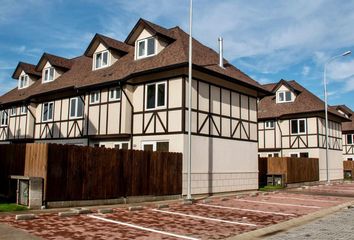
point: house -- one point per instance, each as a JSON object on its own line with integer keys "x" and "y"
{"x": 132, "y": 94}
{"x": 347, "y": 131}
{"x": 291, "y": 123}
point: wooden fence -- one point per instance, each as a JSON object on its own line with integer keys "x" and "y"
{"x": 295, "y": 170}
{"x": 349, "y": 166}
{"x": 86, "y": 173}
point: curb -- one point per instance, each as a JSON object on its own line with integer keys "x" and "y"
{"x": 270, "y": 230}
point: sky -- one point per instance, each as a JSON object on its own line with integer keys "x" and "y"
{"x": 267, "y": 39}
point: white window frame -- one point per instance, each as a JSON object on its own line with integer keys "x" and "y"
{"x": 156, "y": 95}
{"x": 13, "y": 111}
{"x": 267, "y": 124}
{"x": 284, "y": 92}
{"x": 24, "y": 79}
{"x": 77, "y": 99}
{"x": 23, "y": 109}
{"x": 145, "y": 40}
{"x": 153, "y": 143}
{"x": 52, "y": 117}
{"x": 116, "y": 90}
{"x": 4, "y": 121}
{"x": 352, "y": 136}
{"x": 96, "y": 100}
{"x": 298, "y": 126}
{"x": 45, "y": 80}
{"x": 95, "y": 60}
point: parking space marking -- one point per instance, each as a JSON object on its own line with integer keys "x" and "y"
{"x": 304, "y": 199}
{"x": 336, "y": 189}
{"x": 204, "y": 218}
{"x": 142, "y": 228}
{"x": 280, "y": 204}
{"x": 246, "y": 209}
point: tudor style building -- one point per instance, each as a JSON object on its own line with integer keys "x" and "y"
{"x": 348, "y": 132}
{"x": 291, "y": 123}
{"x": 132, "y": 94}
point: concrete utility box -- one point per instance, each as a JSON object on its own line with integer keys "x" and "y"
{"x": 29, "y": 191}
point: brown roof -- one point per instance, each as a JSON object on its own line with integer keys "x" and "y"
{"x": 81, "y": 75}
{"x": 110, "y": 43}
{"x": 28, "y": 68}
{"x": 305, "y": 102}
{"x": 55, "y": 61}
{"x": 347, "y": 126}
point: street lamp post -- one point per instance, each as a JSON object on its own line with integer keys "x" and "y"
{"x": 326, "y": 104}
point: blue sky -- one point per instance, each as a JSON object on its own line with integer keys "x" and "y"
{"x": 267, "y": 39}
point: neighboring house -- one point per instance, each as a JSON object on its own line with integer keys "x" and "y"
{"x": 133, "y": 94}
{"x": 348, "y": 132}
{"x": 291, "y": 123}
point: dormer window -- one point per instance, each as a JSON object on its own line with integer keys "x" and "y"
{"x": 23, "y": 81}
{"x": 146, "y": 47}
{"x": 3, "y": 118}
{"x": 284, "y": 96}
{"x": 269, "y": 124}
{"x": 48, "y": 74}
{"x": 101, "y": 59}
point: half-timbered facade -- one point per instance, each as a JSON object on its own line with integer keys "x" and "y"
{"x": 347, "y": 131}
{"x": 292, "y": 124}
{"x": 133, "y": 94}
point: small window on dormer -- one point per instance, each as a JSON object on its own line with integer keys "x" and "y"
{"x": 23, "y": 82}
{"x": 284, "y": 96}
{"x": 101, "y": 59}
{"x": 48, "y": 74}
{"x": 146, "y": 47}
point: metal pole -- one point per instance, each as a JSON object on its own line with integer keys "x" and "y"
{"x": 326, "y": 118}
{"x": 189, "y": 159}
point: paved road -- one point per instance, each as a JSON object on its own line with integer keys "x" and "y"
{"x": 336, "y": 226}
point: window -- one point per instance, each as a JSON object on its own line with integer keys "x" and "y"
{"x": 276, "y": 154}
{"x": 270, "y": 154}
{"x": 3, "y": 118}
{"x": 23, "y": 82}
{"x": 13, "y": 111}
{"x": 298, "y": 126}
{"x": 95, "y": 97}
{"x": 48, "y": 74}
{"x": 146, "y": 47}
{"x": 23, "y": 109}
{"x": 162, "y": 146}
{"x": 284, "y": 96}
{"x": 101, "y": 59}
{"x": 114, "y": 94}
{"x": 304, "y": 154}
{"x": 294, "y": 155}
{"x": 350, "y": 138}
{"x": 47, "y": 113}
{"x": 350, "y": 159}
{"x": 269, "y": 124}
{"x": 121, "y": 146}
{"x": 76, "y": 107}
{"x": 156, "y": 95}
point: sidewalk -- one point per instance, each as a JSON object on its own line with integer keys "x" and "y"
{"x": 10, "y": 233}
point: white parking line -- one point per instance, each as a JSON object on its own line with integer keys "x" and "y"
{"x": 246, "y": 209}
{"x": 204, "y": 218}
{"x": 336, "y": 189}
{"x": 142, "y": 228}
{"x": 274, "y": 203}
{"x": 303, "y": 199}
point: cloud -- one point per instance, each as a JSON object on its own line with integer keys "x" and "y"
{"x": 305, "y": 71}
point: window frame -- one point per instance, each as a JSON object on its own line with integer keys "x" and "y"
{"x": 24, "y": 79}
{"x": 294, "y": 153}
{"x": 298, "y": 126}
{"x": 95, "y": 60}
{"x": 115, "y": 98}
{"x": 76, "y": 107}
{"x": 145, "y": 55}
{"x": 284, "y": 92}
{"x": 2, "y": 122}
{"x": 44, "y": 77}
{"x": 52, "y": 117}
{"x": 154, "y": 144}
{"x": 267, "y": 126}
{"x": 13, "y": 111}
{"x": 21, "y": 110}
{"x": 352, "y": 138}
{"x": 96, "y": 101}
{"x": 156, "y": 95}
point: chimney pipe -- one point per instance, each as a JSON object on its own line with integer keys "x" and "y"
{"x": 221, "y": 52}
